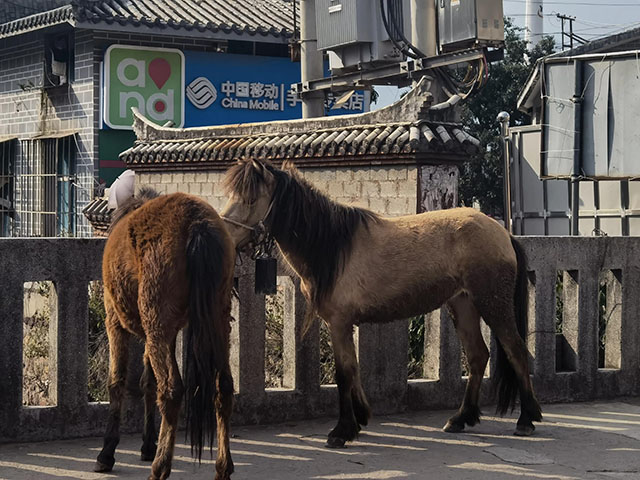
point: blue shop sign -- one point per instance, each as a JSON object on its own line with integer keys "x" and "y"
{"x": 226, "y": 88}
{"x": 202, "y": 88}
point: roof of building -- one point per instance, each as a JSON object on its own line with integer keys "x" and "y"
{"x": 264, "y": 18}
{"x": 98, "y": 213}
{"x": 530, "y": 95}
{"x": 395, "y": 134}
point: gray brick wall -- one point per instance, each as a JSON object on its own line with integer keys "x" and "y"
{"x": 389, "y": 191}
{"x": 27, "y": 110}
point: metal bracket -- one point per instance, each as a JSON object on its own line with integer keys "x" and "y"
{"x": 400, "y": 74}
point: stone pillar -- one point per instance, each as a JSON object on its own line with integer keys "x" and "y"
{"x": 301, "y": 355}
{"x": 11, "y": 305}
{"x": 247, "y": 335}
{"x": 382, "y": 351}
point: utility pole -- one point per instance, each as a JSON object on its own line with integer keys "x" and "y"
{"x": 503, "y": 119}
{"x": 311, "y": 67}
{"x": 572, "y": 36}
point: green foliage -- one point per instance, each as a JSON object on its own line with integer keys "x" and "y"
{"x": 416, "y": 347}
{"x": 327, "y": 361}
{"x": 559, "y": 301}
{"x": 36, "y": 372}
{"x": 98, "y": 358}
{"x": 273, "y": 348}
{"x": 481, "y": 178}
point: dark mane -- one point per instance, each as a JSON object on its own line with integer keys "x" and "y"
{"x": 144, "y": 195}
{"x": 304, "y": 222}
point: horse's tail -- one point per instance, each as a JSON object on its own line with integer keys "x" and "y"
{"x": 205, "y": 346}
{"x": 506, "y": 380}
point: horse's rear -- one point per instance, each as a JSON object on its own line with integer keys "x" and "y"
{"x": 168, "y": 263}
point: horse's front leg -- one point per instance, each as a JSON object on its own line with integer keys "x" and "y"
{"x": 346, "y": 375}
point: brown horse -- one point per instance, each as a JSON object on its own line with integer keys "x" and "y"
{"x": 357, "y": 267}
{"x": 169, "y": 263}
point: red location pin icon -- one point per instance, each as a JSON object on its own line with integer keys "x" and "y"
{"x": 159, "y": 71}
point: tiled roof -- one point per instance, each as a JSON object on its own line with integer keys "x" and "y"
{"x": 14, "y": 9}
{"x": 358, "y": 143}
{"x": 262, "y": 17}
{"x": 98, "y": 213}
{"x": 36, "y": 21}
{"x": 266, "y": 18}
{"x": 393, "y": 134}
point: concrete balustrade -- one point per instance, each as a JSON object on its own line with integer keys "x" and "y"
{"x": 585, "y": 264}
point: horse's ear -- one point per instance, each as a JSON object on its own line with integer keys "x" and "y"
{"x": 288, "y": 165}
{"x": 257, "y": 165}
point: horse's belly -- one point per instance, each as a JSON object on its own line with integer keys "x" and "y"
{"x": 409, "y": 302}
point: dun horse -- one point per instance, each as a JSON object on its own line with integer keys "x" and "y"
{"x": 168, "y": 263}
{"x": 356, "y": 267}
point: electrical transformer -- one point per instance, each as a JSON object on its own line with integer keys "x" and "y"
{"x": 361, "y": 34}
{"x": 469, "y": 23}
{"x": 354, "y": 32}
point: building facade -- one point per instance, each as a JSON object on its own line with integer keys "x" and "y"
{"x": 393, "y": 161}
{"x": 575, "y": 169}
{"x": 59, "y": 74}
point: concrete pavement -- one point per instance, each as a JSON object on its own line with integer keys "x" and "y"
{"x": 576, "y": 441}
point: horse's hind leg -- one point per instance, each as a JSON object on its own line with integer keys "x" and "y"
{"x": 346, "y": 376}
{"x": 170, "y": 390}
{"x": 224, "y": 407}
{"x": 149, "y": 434}
{"x": 467, "y": 321}
{"x": 500, "y": 316}
{"x": 118, "y": 355}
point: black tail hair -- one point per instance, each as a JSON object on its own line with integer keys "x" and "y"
{"x": 506, "y": 380}
{"x": 204, "y": 348}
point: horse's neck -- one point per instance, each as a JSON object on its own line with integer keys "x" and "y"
{"x": 294, "y": 260}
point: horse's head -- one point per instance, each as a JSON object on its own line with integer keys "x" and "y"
{"x": 250, "y": 185}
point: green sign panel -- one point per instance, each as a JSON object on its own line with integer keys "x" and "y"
{"x": 150, "y": 79}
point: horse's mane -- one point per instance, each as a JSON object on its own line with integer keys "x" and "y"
{"x": 144, "y": 195}
{"x": 304, "y": 221}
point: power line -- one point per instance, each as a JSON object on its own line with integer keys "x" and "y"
{"x": 565, "y": 4}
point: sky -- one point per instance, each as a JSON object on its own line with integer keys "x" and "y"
{"x": 593, "y": 19}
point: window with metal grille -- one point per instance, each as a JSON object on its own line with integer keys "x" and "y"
{"x": 46, "y": 178}
{"x": 7, "y": 186}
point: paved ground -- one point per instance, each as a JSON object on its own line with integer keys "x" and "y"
{"x": 576, "y": 441}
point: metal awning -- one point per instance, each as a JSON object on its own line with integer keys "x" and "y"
{"x": 60, "y": 134}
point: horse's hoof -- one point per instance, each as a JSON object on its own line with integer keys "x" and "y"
{"x": 102, "y": 467}
{"x": 453, "y": 427}
{"x": 335, "y": 442}
{"x": 148, "y": 453}
{"x": 524, "y": 430}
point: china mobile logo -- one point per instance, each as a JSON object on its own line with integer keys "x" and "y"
{"x": 149, "y": 79}
{"x": 201, "y": 93}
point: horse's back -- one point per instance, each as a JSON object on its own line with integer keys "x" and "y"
{"x": 457, "y": 231}
{"x": 149, "y": 245}
{"x": 422, "y": 260}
